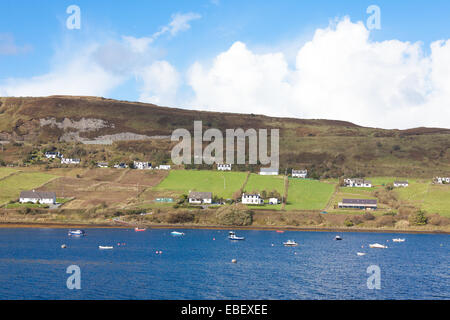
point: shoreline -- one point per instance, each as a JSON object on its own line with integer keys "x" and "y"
{"x": 51, "y": 225}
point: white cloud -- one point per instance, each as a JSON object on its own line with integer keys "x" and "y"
{"x": 339, "y": 74}
{"x": 160, "y": 83}
{"x": 180, "y": 22}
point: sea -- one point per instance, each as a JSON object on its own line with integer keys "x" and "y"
{"x": 205, "y": 265}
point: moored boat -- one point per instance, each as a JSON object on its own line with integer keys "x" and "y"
{"x": 290, "y": 243}
{"x": 105, "y": 247}
{"x": 377, "y": 245}
{"x": 139, "y": 229}
{"x": 338, "y": 238}
{"x": 232, "y": 236}
{"x": 77, "y": 233}
{"x": 176, "y": 233}
{"x": 398, "y": 240}
{"x": 361, "y": 253}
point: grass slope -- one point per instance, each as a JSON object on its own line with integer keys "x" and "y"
{"x": 308, "y": 194}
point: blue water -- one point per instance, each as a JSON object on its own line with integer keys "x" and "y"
{"x": 33, "y": 265}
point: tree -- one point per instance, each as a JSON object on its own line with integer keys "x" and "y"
{"x": 419, "y": 218}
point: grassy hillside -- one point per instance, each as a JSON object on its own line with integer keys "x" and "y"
{"x": 308, "y": 194}
{"x": 327, "y": 148}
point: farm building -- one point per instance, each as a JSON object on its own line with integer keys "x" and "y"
{"x": 442, "y": 180}
{"x": 38, "y": 197}
{"x": 70, "y": 161}
{"x": 268, "y": 172}
{"x": 274, "y": 201}
{"x": 401, "y": 183}
{"x": 121, "y": 165}
{"x": 252, "y": 199}
{"x": 357, "y": 182}
{"x": 200, "y": 197}
{"x": 163, "y": 167}
{"x": 365, "y": 204}
{"x": 142, "y": 165}
{"x": 53, "y": 155}
{"x": 224, "y": 167}
{"x": 299, "y": 173}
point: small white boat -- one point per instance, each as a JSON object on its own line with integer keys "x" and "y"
{"x": 338, "y": 238}
{"x": 233, "y": 236}
{"x": 105, "y": 247}
{"x": 176, "y": 233}
{"x": 290, "y": 243}
{"x": 361, "y": 253}
{"x": 398, "y": 240}
{"x": 377, "y": 245}
{"x": 77, "y": 233}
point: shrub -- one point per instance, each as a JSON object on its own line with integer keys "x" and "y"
{"x": 368, "y": 216}
{"x": 348, "y": 223}
{"x": 419, "y": 218}
{"x": 234, "y": 215}
{"x": 181, "y": 217}
{"x": 386, "y": 221}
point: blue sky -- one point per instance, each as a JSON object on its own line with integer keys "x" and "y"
{"x": 182, "y": 67}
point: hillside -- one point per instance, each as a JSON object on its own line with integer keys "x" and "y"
{"x": 327, "y": 148}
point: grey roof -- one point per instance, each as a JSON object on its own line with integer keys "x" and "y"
{"x": 200, "y": 195}
{"x": 37, "y": 194}
{"x": 268, "y": 170}
{"x": 360, "y": 201}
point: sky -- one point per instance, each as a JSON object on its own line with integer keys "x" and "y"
{"x": 375, "y": 63}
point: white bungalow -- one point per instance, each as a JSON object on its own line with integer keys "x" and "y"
{"x": 224, "y": 167}
{"x": 41, "y": 197}
{"x": 299, "y": 173}
{"x": 363, "y": 204}
{"x": 163, "y": 167}
{"x": 401, "y": 184}
{"x": 252, "y": 199}
{"x": 442, "y": 180}
{"x": 102, "y": 164}
{"x": 268, "y": 172}
{"x": 200, "y": 197}
{"x": 142, "y": 165}
{"x": 357, "y": 182}
{"x": 70, "y": 161}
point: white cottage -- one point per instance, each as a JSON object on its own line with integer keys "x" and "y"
{"x": 442, "y": 180}
{"x": 401, "y": 184}
{"x": 274, "y": 201}
{"x": 252, "y": 199}
{"x": 41, "y": 197}
{"x": 142, "y": 165}
{"x": 70, "y": 161}
{"x": 200, "y": 197}
{"x": 357, "y": 182}
{"x": 224, "y": 167}
{"x": 299, "y": 173}
{"x": 163, "y": 167}
{"x": 53, "y": 155}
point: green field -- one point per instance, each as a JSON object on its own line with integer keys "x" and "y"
{"x": 437, "y": 200}
{"x": 10, "y": 187}
{"x": 308, "y": 194}
{"x": 4, "y": 172}
{"x": 258, "y": 183}
{"x": 222, "y": 184}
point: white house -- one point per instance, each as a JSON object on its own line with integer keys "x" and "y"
{"x": 121, "y": 165}
{"x": 102, "y": 164}
{"x": 252, "y": 199}
{"x": 142, "y": 165}
{"x": 299, "y": 173}
{"x": 357, "y": 182}
{"x": 70, "y": 161}
{"x": 200, "y": 197}
{"x": 442, "y": 180}
{"x": 401, "y": 183}
{"x": 224, "y": 167}
{"x": 268, "y": 172}
{"x": 41, "y": 197}
{"x": 274, "y": 201}
{"x": 163, "y": 167}
{"x": 53, "y": 155}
